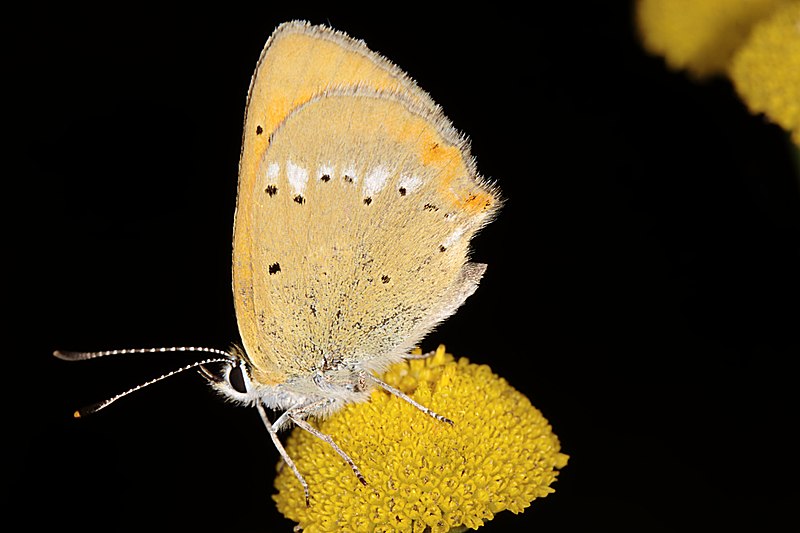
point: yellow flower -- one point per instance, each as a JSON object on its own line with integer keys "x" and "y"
{"x": 766, "y": 70}
{"x": 699, "y": 36}
{"x": 422, "y": 473}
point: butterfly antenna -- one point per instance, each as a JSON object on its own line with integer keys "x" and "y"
{"x": 224, "y": 357}
{"x": 85, "y": 356}
{"x": 80, "y": 413}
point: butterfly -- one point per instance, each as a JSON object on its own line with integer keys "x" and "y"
{"x": 356, "y": 204}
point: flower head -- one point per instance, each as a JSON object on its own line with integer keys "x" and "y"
{"x": 699, "y": 36}
{"x": 766, "y": 70}
{"x": 422, "y": 473}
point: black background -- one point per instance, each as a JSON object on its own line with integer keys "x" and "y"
{"x": 642, "y": 288}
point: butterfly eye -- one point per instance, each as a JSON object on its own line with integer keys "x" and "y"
{"x": 237, "y": 380}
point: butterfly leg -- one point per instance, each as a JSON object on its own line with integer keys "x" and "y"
{"x": 406, "y": 397}
{"x": 298, "y": 414}
{"x": 275, "y": 440}
{"x": 303, "y": 411}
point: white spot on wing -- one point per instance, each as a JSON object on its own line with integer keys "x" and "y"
{"x": 298, "y": 176}
{"x": 350, "y": 172}
{"x": 375, "y": 179}
{"x": 453, "y": 237}
{"x": 272, "y": 171}
{"x": 410, "y": 182}
{"x": 325, "y": 170}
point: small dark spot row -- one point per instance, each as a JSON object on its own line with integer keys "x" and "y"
{"x": 272, "y": 190}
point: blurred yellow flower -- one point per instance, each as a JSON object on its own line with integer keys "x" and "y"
{"x": 699, "y": 36}
{"x": 423, "y": 474}
{"x": 766, "y": 70}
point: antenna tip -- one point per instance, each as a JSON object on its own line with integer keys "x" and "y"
{"x": 66, "y": 356}
{"x": 76, "y": 414}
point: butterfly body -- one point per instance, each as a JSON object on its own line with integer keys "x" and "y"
{"x": 356, "y": 204}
